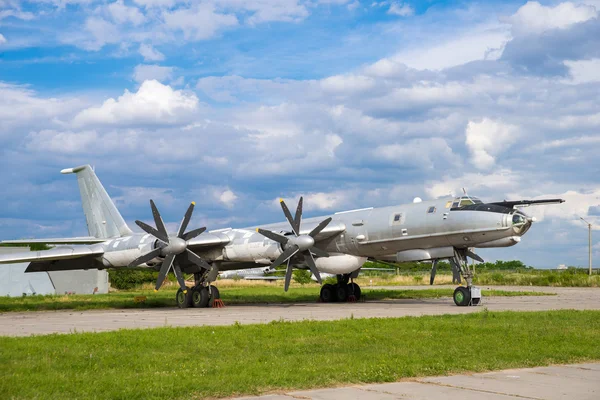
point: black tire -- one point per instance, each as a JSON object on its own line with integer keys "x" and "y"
{"x": 341, "y": 292}
{"x": 462, "y": 296}
{"x": 184, "y": 300}
{"x": 327, "y": 293}
{"x": 214, "y": 294}
{"x": 200, "y": 297}
{"x": 354, "y": 289}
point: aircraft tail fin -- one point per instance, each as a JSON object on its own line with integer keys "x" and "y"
{"x": 102, "y": 217}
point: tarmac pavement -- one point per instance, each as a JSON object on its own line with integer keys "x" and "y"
{"x": 576, "y": 381}
{"x": 68, "y": 321}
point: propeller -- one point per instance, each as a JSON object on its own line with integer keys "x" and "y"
{"x": 297, "y": 245}
{"x": 172, "y": 248}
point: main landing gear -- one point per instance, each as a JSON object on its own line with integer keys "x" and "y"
{"x": 469, "y": 295}
{"x": 202, "y": 295}
{"x": 345, "y": 290}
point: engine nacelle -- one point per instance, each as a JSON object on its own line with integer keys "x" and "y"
{"x": 339, "y": 264}
{"x": 252, "y": 247}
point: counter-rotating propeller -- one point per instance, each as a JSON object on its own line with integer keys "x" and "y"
{"x": 298, "y": 244}
{"x": 172, "y": 248}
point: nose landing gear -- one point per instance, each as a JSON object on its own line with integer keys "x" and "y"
{"x": 469, "y": 295}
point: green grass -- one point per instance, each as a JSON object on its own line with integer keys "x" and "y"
{"x": 200, "y": 362}
{"x": 244, "y": 295}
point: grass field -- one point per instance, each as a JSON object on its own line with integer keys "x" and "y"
{"x": 229, "y": 293}
{"x": 201, "y": 362}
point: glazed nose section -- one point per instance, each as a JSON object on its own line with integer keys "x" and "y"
{"x": 521, "y": 222}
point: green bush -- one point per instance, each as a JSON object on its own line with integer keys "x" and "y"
{"x": 302, "y": 276}
{"x": 130, "y": 278}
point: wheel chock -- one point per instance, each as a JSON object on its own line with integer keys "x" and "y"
{"x": 218, "y": 303}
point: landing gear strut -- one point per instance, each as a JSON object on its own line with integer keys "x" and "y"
{"x": 469, "y": 295}
{"x": 345, "y": 290}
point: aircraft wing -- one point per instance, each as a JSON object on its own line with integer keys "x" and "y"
{"x": 56, "y": 254}
{"x": 526, "y": 203}
{"x": 75, "y": 240}
{"x": 210, "y": 239}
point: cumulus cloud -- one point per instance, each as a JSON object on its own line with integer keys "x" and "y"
{"x": 487, "y": 139}
{"x": 68, "y": 142}
{"x": 228, "y": 198}
{"x": 501, "y": 180}
{"x": 534, "y": 18}
{"x": 122, "y": 14}
{"x": 150, "y": 53}
{"x": 152, "y": 103}
{"x": 200, "y": 22}
{"x": 401, "y": 9}
{"x": 144, "y": 72}
{"x": 2, "y": 39}
{"x": 583, "y": 71}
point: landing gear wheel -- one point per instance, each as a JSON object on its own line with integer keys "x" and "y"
{"x": 354, "y": 290}
{"x": 200, "y": 297}
{"x": 184, "y": 300}
{"x": 341, "y": 292}
{"x": 327, "y": 293}
{"x": 462, "y": 296}
{"x": 215, "y": 298}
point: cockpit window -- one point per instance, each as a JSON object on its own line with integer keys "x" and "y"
{"x": 518, "y": 219}
{"x": 465, "y": 201}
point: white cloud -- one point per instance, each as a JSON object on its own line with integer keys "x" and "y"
{"x": 472, "y": 181}
{"x": 97, "y": 33}
{"x": 345, "y": 84}
{"x": 315, "y": 201}
{"x": 584, "y": 71}
{"x": 62, "y": 142}
{"x": 122, "y": 14}
{"x": 228, "y": 198}
{"x": 152, "y": 103}
{"x": 200, "y": 22}
{"x": 577, "y": 204}
{"x": 487, "y": 139}
{"x": 419, "y": 153}
{"x": 479, "y": 43}
{"x": 401, "y": 9}
{"x": 2, "y": 39}
{"x": 150, "y": 53}
{"x": 534, "y": 18}
{"x": 25, "y": 16}
{"x": 156, "y": 3}
{"x": 144, "y": 72}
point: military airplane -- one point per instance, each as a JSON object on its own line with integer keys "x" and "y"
{"x": 339, "y": 244}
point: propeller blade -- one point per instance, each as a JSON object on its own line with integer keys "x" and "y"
{"x": 194, "y": 259}
{"x": 164, "y": 270}
{"x": 318, "y": 252}
{"x": 298, "y": 215}
{"x": 474, "y": 256}
{"x": 186, "y": 220}
{"x": 433, "y": 271}
{"x": 179, "y": 276}
{"x": 160, "y": 225}
{"x": 320, "y": 227}
{"x": 313, "y": 267}
{"x": 288, "y": 215}
{"x": 152, "y": 231}
{"x": 273, "y": 236}
{"x": 146, "y": 257}
{"x": 192, "y": 234}
{"x": 288, "y": 276}
{"x": 288, "y": 253}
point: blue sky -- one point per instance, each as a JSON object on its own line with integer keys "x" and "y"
{"x": 235, "y": 103}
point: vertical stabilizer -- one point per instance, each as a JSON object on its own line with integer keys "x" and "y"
{"x": 102, "y": 217}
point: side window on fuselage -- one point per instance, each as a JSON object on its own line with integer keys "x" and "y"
{"x": 431, "y": 210}
{"x": 397, "y": 219}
